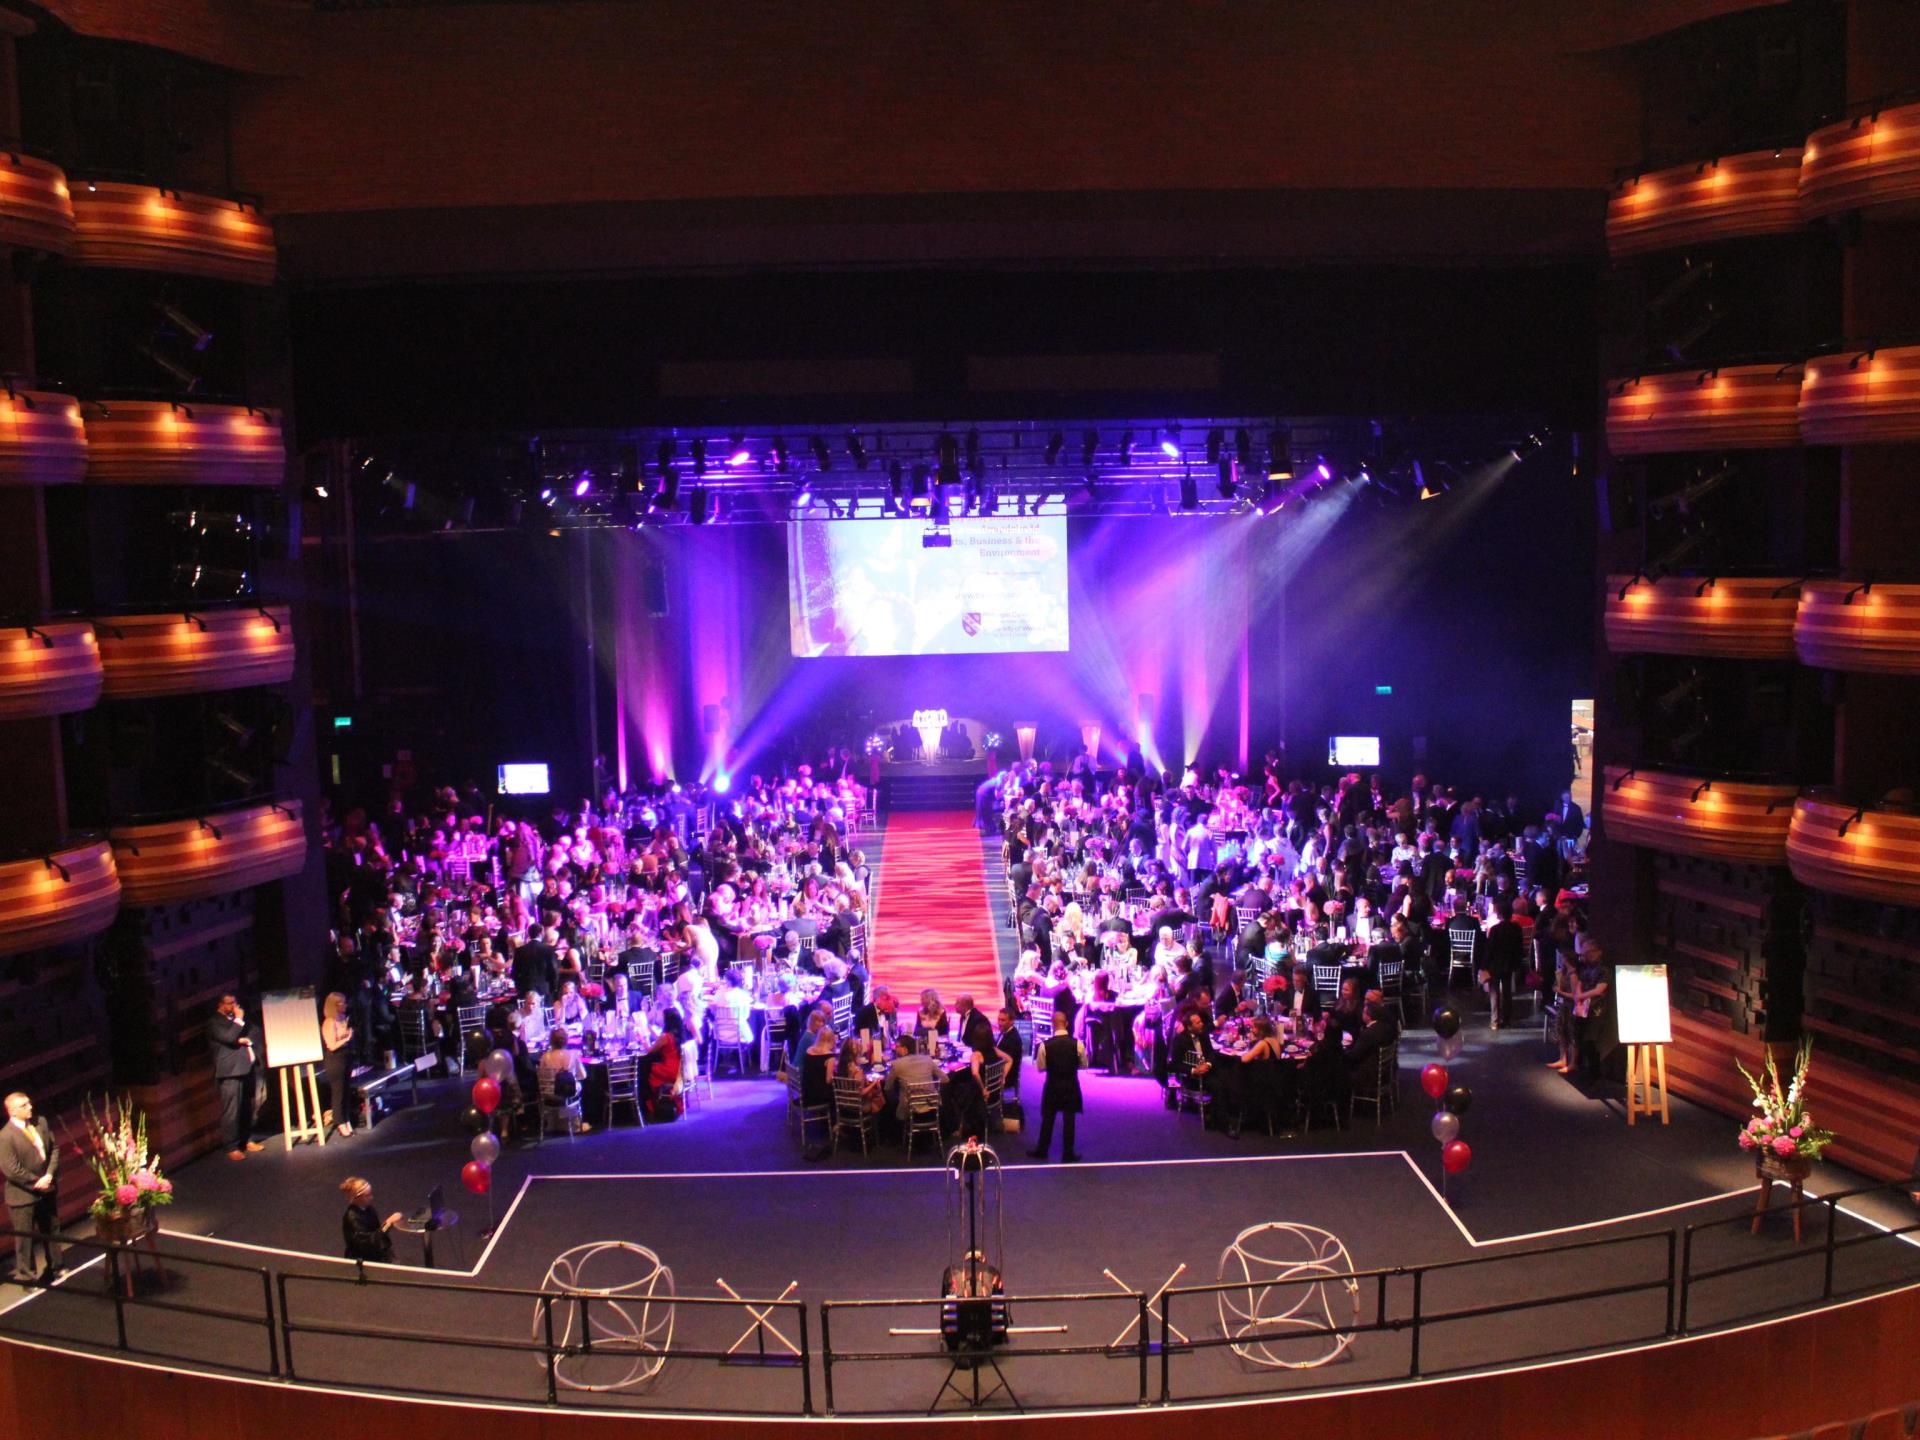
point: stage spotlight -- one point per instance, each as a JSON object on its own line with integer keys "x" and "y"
{"x": 1225, "y": 462}
{"x": 780, "y": 454}
{"x": 822, "y": 456}
{"x": 917, "y": 496}
{"x": 739, "y": 454}
{"x": 668, "y": 495}
{"x": 1089, "y": 448}
{"x": 583, "y": 485}
{"x": 857, "y": 449}
{"x": 948, "y": 452}
{"x": 804, "y": 497}
{"x": 320, "y": 491}
{"x": 700, "y": 456}
{"x": 1216, "y": 441}
{"x": 722, "y": 783}
{"x": 1323, "y": 470}
{"x": 700, "y": 505}
{"x": 936, "y": 540}
{"x": 663, "y": 455}
{"x": 942, "y": 505}
{"x": 1170, "y": 443}
{"x": 546, "y": 495}
{"x": 1126, "y": 447}
{"x": 896, "y": 487}
{"x": 989, "y": 500}
{"x": 1054, "y": 443}
{"x": 1243, "y": 447}
{"x": 1189, "y": 492}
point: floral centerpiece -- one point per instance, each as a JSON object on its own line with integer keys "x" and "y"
{"x": 131, "y": 1185}
{"x": 1783, "y": 1136}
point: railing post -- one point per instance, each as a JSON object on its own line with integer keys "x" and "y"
{"x": 1833, "y": 1220}
{"x": 286, "y": 1326}
{"x": 585, "y": 1317}
{"x": 1673, "y": 1242}
{"x": 119, "y": 1294}
{"x": 553, "y": 1375}
{"x": 1166, "y": 1347}
{"x": 806, "y": 1363}
{"x": 826, "y": 1350}
{"x": 1413, "y": 1357}
{"x": 1146, "y": 1343}
{"x": 1686, "y": 1279}
{"x": 266, "y": 1319}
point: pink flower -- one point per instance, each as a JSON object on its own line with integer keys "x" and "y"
{"x": 1797, "y": 1131}
{"x": 1783, "y": 1146}
{"x": 143, "y": 1181}
{"x": 125, "y": 1195}
{"x": 1746, "y": 1141}
{"x": 1757, "y": 1123}
{"x": 166, "y": 1187}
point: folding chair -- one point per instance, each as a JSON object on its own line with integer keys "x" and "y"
{"x": 472, "y": 1018}
{"x": 923, "y": 1114}
{"x": 552, "y": 1107}
{"x": 730, "y": 1039}
{"x": 850, "y": 1111}
{"x": 995, "y": 1076}
{"x": 1378, "y": 1087}
{"x": 623, "y": 1087}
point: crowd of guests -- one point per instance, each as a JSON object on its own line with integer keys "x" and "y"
{"x": 1170, "y": 905}
{"x": 631, "y": 918}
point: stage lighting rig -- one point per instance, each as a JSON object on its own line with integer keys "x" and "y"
{"x": 700, "y": 455}
{"x": 1216, "y": 442}
{"x": 1170, "y": 443}
{"x": 896, "y": 489}
{"x": 1126, "y": 447}
{"x": 782, "y": 457}
{"x": 1055, "y": 442}
{"x": 857, "y": 450}
{"x": 1089, "y": 449}
{"x": 822, "y": 456}
{"x": 1189, "y": 492}
{"x": 1225, "y": 464}
{"x": 947, "y": 453}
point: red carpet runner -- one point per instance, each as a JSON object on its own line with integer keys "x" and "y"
{"x": 933, "y": 928}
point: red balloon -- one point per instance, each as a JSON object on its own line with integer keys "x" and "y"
{"x": 486, "y": 1095}
{"x": 1455, "y": 1156}
{"x": 1433, "y": 1080}
{"x": 476, "y": 1177}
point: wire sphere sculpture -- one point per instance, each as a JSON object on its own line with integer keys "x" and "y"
{"x": 612, "y": 1316}
{"x": 1287, "y": 1277}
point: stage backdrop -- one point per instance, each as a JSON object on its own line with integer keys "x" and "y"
{"x": 1156, "y": 626}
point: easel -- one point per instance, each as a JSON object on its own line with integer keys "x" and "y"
{"x": 1647, "y": 1082}
{"x": 303, "y": 1119}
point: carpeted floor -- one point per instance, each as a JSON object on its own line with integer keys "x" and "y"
{"x": 932, "y": 929}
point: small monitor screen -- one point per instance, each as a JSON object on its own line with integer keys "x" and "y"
{"x": 527, "y": 777}
{"x": 1361, "y": 750}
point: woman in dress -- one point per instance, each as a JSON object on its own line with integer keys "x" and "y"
{"x": 933, "y": 1022}
{"x": 660, "y": 1066}
{"x": 336, "y": 1040}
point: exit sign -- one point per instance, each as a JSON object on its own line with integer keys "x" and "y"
{"x": 1378, "y": 690}
{"x": 343, "y": 722}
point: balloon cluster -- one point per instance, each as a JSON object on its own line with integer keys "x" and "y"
{"x": 477, "y": 1173}
{"x": 1453, "y": 1100}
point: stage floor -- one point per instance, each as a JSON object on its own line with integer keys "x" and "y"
{"x": 723, "y": 1195}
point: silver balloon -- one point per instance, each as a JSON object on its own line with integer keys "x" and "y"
{"x": 497, "y": 1066}
{"x": 486, "y": 1149}
{"x": 1446, "y": 1127}
{"x": 1450, "y": 1046}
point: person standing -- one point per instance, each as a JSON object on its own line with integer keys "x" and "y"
{"x": 1060, "y": 1061}
{"x": 234, "y": 1062}
{"x": 28, "y": 1159}
{"x": 336, "y": 1035}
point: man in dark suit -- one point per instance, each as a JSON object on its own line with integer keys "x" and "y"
{"x": 233, "y": 1066}
{"x": 28, "y": 1159}
{"x": 1061, "y": 1059}
{"x": 975, "y": 1030}
{"x": 1501, "y": 958}
{"x": 1043, "y": 929}
{"x": 536, "y": 966}
{"x": 1378, "y": 1030}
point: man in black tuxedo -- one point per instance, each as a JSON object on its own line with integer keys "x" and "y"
{"x": 536, "y": 966}
{"x": 976, "y": 1031}
{"x": 1043, "y": 929}
{"x": 234, "y": 1061}
{"x": 28, "y": 1159}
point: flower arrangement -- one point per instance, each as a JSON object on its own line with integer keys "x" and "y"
{"x": 117, "y": 1153}
{"x": 1783, "y": 1127}
{"x": 593, "y": 990}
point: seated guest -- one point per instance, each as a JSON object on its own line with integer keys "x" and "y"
{"x": 850, "y": 1063}
{"x": 1007, "y": 1041}
{"x": 532, "y": 1022}
{"x": 1380, "y": 1029}
{"x": 878, "y": 1022}
{"x": 365, "y": 1232}
{"x": 559, "y": 1060}
{"x": 932, "y": 1020}
{"x": 1347, "y": 1008}
{"x": 659, "y": 1073}
{"x": 1266, "y": 1041}
{"x": 816, "y": 1079}
{"x": 975, "y": 1029}
{"x": 570, "y": 1008}
{"x": 910, "y": 1067}
{"x": 1193, "y": 1059}
{"x": 1167, "y": 950}
{"x": 1303, "y": 1001}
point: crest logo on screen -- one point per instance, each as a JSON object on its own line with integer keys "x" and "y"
{"x": 970, "y": 622}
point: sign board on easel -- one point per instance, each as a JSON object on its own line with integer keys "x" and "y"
{"x": 1646, "y": 1028}
{"x": 290, "y": 1025}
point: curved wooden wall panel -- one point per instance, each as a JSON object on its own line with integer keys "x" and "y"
{"x": 1737, "y": 407}
{"x": 1689, "y": 815}
{"x": 1743, "y": 618}
{"x": 216, "y": 854}
{"x": 1876, "y": 858}
{"x": 36, "y": 212}
{"x": 1861, "y": 397}
{"x": 163, "y": 442}
{"x": 142, "y": 227}
{"x": 1851, "y": 625}
{"x": 195, "y": 651}
{"x": 43, "y": 439}
{"x": 65, "y": 896}
{"x": 48, "y": 669}
{"x": 1757, "y": 193}
{"x": 1863, "y": 164}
